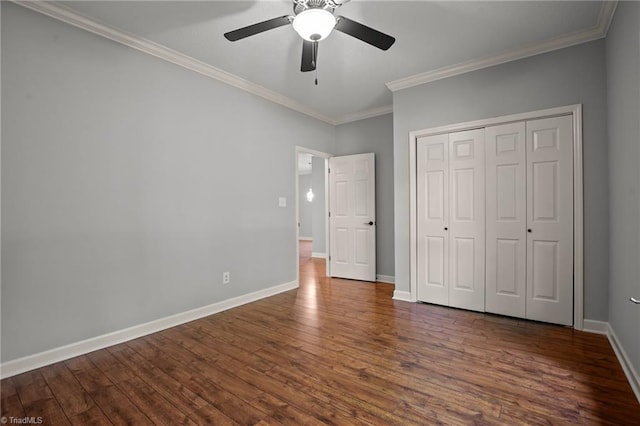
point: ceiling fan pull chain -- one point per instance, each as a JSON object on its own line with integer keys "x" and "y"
{"x": 315, "y": 60}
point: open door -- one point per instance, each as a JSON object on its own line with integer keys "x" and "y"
{"x": 352, "y": 218}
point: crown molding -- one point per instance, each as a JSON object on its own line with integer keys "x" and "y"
{"x": 370, "y": 113}
{"x": 71, "y": 17}
{"x": 599, "y": 31}
{"x": 606, "y": 15}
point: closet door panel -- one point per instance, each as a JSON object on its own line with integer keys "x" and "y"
{"x": 550, "y": 220}
{"x": 506, "y": 219}
{"x": 467, "y": 220}
{"x": 433, "y": 217}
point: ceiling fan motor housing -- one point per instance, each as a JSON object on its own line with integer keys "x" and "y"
{"x": 302, "y": 5}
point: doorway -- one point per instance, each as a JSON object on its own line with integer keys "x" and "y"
{"x": 312, "y": 202}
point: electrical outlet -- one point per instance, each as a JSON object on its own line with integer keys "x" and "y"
{"x": 226, "y": 277}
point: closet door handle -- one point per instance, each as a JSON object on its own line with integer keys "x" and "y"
{"x": 634, "y": 300}
{"x": 446, "y": 229}
{"x": 529, "y": 230}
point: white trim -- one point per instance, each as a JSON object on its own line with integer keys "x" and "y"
{"x": 319, "y": 255}
{"x": 625, "y": 361}
{"x": 370, "y": 113}
{"x": 71, "y": 17}
{"x": 305, "y": 238}
{"x": 578, "y": 210}
{"x": 594, "y": 326}
{"x": 327, "y": 234}
{"x": 31, "y": 362}
{"x": 403, "y": 296}
{"x": 493, "y": 121}
{"x": 578, "y": 221}
{"x": 605, "y": 18}
{"x": 388, "y": 279}
{"x": 556, "y": 43}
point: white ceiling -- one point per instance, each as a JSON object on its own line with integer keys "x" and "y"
{"x": 432, "y": 39}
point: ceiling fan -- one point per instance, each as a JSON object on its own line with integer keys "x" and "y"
{"x": 314, "y": 20}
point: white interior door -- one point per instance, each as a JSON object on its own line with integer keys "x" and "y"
{"x": 466, "y": 220}
{"x": 433, "y": 219}
{"x": 550, "y": 220}
{"x": 506, "y": 229}
{"x": 352, "y": 219}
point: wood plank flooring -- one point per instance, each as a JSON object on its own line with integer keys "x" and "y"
{"x": 336, "y": 352}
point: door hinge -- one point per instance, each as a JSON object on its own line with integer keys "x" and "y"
{"x": 329, "y": 214}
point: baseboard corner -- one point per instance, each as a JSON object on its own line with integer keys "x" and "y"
{"x": 403, "y": 296}
{"x": 387, "y": 279}
{"x": 595, "y": 326}
{"x": 625, "y": 361}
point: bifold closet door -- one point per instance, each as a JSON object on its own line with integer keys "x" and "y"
{"x": 467, "y": 220}
{"x": 506, "y": 219}
{"x": 450, "y": 187}
{"x": 433, "y": 219}
{"x": 530, "y": 220}
{"x": 550, "y": 220}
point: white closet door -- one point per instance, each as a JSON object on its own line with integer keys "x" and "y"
{"x": 506, "y": 219}
{"x": 467, "y": 220}
{"x": 550, "y": 220}
{"x": 433, "y": 213}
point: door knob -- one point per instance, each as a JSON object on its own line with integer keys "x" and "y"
{"x": 446, "y": 229}
{"x": 528, "y": 230}
{"x": 634, "y": 300}
{"x": 370, "y": 223}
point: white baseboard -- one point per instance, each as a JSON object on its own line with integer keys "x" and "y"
{"x": 305, "y": 238}
{"x": 625, "y": 361}
{"x": 597, "y": 327}
{"x": 389, "y": 279}
{"x": 404, "y": 296}
{"x": 31, "y": 362}
{"x": 602, "y": 327}
{"x": 319, "y": 255}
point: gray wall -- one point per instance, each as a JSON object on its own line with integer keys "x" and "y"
{"x": 305, "y": 210}
{"x": 623, "y": 89}
{"x": 375, "y": 135}
{"x": 569, "y": 76}
{"x": 130, "y": 184}
{"x": 318, "y": 206}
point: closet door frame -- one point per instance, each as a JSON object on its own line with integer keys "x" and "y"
{"x": 578, "y": 210}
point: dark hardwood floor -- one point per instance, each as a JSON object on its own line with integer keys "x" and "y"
{"x": 336, "y": 352}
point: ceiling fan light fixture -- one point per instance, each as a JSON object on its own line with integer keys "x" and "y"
{"x": 314, "y": 24}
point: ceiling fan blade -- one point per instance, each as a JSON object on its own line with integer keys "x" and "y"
{"x": 309, "y": 55}
{"x": 364, "y": 33}
{"x": 260, "y": 27}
